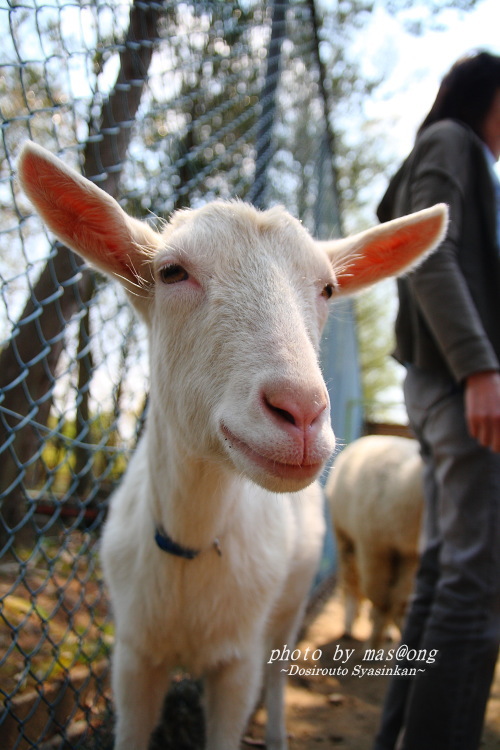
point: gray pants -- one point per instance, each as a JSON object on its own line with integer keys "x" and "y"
{"x": 456, "y": 604}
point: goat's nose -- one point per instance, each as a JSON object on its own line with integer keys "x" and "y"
{"x": 295, "y": 407}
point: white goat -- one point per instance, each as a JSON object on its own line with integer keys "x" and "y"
{"x": 234, "y": 300}
{"x": 376, "y": 501}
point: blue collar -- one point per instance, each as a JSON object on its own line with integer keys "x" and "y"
{"x": 167, "y": 544}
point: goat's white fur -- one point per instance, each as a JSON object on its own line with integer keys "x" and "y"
{"x": 238, "y": 413}
{"x": 375, "y": 494}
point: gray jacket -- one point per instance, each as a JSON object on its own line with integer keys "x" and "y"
{"x": 449, "y": 314}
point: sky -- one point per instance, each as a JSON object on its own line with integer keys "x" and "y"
{"x": 413, "y": 66}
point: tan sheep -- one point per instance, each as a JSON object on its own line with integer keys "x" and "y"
{"x": 376, "y": 501}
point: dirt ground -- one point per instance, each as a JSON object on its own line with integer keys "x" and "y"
{"x": 342, "y": 712}
{"x": 336, "y": 711}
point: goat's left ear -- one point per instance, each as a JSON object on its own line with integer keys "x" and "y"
{"x": 390, "y": 249}
{"x": 88, "y": 220}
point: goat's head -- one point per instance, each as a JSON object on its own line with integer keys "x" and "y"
{"x": 235, "y": 301}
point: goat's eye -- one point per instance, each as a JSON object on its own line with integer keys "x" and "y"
{"x": 173, "y": 274}
{"x": 327, "y": 291}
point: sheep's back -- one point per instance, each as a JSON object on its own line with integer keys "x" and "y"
{"x": 375, "y": 492}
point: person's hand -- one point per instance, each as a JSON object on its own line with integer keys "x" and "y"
{"x": 482, "y": 408}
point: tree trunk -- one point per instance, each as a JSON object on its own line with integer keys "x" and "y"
{"x": 28, "y": 363}
{"x": 82, "y": 453}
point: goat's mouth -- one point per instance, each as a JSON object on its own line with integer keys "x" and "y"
{"x": 299, "y": 472}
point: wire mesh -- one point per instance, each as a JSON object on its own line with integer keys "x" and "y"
{"x": 164, "y": 105}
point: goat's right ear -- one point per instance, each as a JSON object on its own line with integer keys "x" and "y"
{"x": 389, "y": 249}
{"x": 87, "y": 219}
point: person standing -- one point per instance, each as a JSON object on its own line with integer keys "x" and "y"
{"x": 448, "y": 338}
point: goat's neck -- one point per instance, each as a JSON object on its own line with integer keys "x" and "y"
{"x": 191, "y": 498}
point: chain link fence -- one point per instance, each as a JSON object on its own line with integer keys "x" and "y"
{"x": 164, "y": 105}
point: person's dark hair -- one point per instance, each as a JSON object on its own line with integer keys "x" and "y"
{"x": 467, "y": 91}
